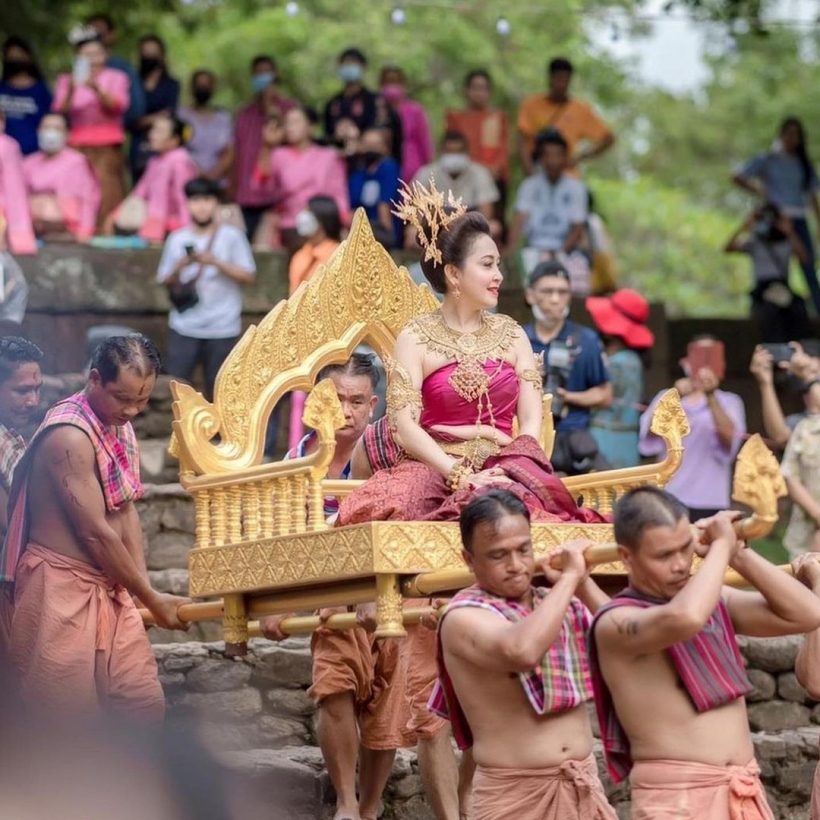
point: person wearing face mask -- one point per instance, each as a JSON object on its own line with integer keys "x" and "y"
{"x": 217, "y": 260}
{"x": 574, "y": 368}
{"x": 24, "y": 95}
{"x": 417, "y": 144}
{"x": 248, "y": 138}
{"x": 94, "y": 98}
{"x": 161, "y": 99}
{"x": 64, "y": 195}
{"x": 357, "y": 107}
{"x": 320, "y": 226}
{"x": 210, "y": 146}
{"x": 470, "y": 182}
{"x": 373, "y": 181}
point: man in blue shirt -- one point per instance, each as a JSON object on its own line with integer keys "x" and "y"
{"x": 574, "y": 368}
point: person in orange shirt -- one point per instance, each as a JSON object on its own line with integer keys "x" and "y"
{"x": 320, "y": 225}
{"x": 577, "y": 120}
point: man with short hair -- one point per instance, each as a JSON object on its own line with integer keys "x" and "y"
{"x": 513, "y": 674}
{"x": 63, "y": 192}
{"x": 247, "y": 139}
{"x": 576, "y": 120}
{"x": 574, "y": 368}
{"x": 666, "y": 647}
{"x": 214, "y": 260}
{"x": 78, "y": 644}
{"x": 551, "y": 212}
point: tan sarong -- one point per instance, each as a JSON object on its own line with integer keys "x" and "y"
{"x": 684, "y": 790}
{"x": 78, "y": 645}
{"x": 571, "y": 791}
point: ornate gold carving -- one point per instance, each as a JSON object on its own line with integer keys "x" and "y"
{"x": 358, "y": 294}
{"x": 389, "y": 611}
{"x": 758, "y": 483}
{"x": 400, "y": 392}
{"x": 429, "y": 213}
{"x": 533, "y": 377}
{"x": 235, "y": 620}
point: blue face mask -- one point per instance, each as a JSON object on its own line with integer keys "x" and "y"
{"x": 350, "y": 72}
{"x": 259, "y": 82}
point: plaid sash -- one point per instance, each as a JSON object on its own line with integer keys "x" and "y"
{"x": 117, "y": 456}
{"x": 12, "y": 447}
{"x": 560, "y": 683}
{"x": 709, "y": 666}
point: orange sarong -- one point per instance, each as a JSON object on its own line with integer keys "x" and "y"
{"x": 685, "y": 790}
{"x": 571, "y": 791}
{"x": 78, "y": 645}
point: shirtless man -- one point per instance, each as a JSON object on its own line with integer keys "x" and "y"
{"x": 513, "y": 677}
{"x": 669, "y": 680}
{"x": 76, "y": 551}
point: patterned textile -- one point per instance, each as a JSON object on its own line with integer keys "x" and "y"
{"x": 380, "y": 447}
{"x": 117, "y": 456}
{"x": 559, "y": 684}
{"x": 709, "y": 667}
{"x": 331, "y": 506}
{"x": 12, "y": 447}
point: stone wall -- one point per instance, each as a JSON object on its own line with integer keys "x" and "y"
{"x": 255, "y": 714}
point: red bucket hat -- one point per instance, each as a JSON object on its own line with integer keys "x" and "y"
{"x": 624, "y": 315}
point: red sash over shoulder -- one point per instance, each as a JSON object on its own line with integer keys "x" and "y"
{"x": 709, "y": 666}
{"x": 118, "y": 465}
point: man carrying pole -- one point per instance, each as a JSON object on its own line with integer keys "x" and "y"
{"x": 669, "y": 680}
{"x": 513, "y": 672}
{"x": 74, "y": 549}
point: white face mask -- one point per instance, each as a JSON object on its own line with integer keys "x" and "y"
{"x": 51, "y": 140}
{"x": 454, "y": 163}
{"x": 306, "y": 224}
{"x": 548, "y": 321}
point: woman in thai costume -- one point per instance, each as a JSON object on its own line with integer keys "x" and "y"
{"x": 459, "y": 377}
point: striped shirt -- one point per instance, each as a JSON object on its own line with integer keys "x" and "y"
{"x": 561, "y": 682}
{"x": 300, "y": 451}
{"x": 709, "y": 666}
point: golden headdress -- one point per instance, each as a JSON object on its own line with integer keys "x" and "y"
{"x": 427, "y": 210}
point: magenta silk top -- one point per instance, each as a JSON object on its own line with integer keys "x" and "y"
{"x": 68, "y": 176}
{"x": 162, "y": 186}
{"x": 417, "y": 145}
{"x": 297, "y": 175}
{"x": 19, "y": 233}
{"x": 89, "y": 123}
{"x": 247, "y": 140}
{"x": 442, "y": 405}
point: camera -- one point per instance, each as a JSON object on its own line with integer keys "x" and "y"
{"x": 557, "y": 366}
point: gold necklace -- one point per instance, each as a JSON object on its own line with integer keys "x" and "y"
{"x": 470, "y": 350}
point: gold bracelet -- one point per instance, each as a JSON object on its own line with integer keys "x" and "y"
{"x": 457, "y": 473}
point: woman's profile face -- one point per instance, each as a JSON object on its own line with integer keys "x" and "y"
{"x": 479, "y": 278}
{"x": 790, "y": 136}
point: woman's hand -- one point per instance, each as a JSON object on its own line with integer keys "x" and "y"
{"x": 487, "y": 478}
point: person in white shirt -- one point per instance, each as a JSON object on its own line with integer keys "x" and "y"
{"x": 551, "y": 212}
{"x": 213, "y": 260}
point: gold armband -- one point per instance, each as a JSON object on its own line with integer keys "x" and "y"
{"x": 400, "y": 392}
{"x": 532, "y": 376}
{"x": 459, "y": 471}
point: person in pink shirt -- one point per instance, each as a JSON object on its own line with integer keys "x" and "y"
{"x": 417, "y": 144}
{"x": 94, "y": 99}
{"x": 64, "y": 195}
{"x": 162, "y": 186}
{"x": 248, "y": 139}
{"x": 16, "y": 231}
{"x": 300, "y": 170}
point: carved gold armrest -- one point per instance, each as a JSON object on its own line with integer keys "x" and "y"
{"x": 601, "y": 490}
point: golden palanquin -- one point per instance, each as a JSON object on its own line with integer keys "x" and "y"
{"x": 262, "y": 541}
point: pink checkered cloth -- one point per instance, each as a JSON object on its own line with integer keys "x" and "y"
{"x": 117, "y": 455}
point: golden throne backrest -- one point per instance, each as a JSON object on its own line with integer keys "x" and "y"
{"x": 359, "y": 294}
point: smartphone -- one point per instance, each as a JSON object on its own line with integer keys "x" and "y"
{"x": 779, "y": 352}
{"x": 190, "y": 250}
{"x": 706, "y": 353}
{"x": 82, "y": 70}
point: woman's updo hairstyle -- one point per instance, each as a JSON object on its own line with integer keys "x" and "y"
{"x": 454, "y": 242}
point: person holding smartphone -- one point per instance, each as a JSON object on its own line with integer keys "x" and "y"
{"x": 717, "y": 422}
{"x": 94, "y": 99}
{"x": 213, "y": 260}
